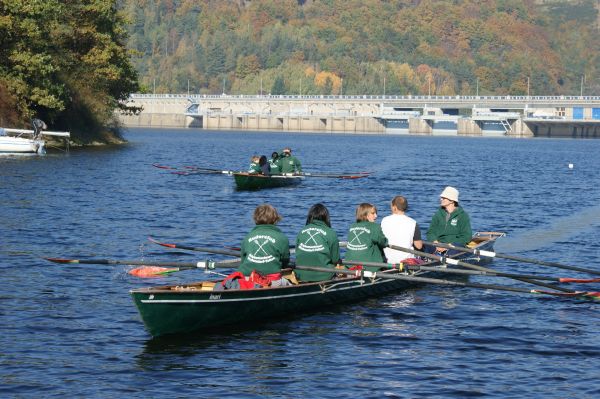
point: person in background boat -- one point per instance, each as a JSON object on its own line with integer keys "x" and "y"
{"x": 400, "y": 230}
{"x": 289, "y": 163}
{"x": 317, "y": 245}
{"x": 265, "y": 168}
{"x": 254, "y": 167}
{"x": 264, "y": 252}
{"x": 366, "y": 240}
{"x": 450, "y": 224}
{"x": 275, "y": 163}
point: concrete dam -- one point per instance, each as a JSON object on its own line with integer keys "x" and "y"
{"x": 513, "y": 116}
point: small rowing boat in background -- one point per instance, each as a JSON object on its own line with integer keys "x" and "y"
{"x": 191, "y": 307}
{"x": 248, "y": 181}
{"x": 255, "y": 181}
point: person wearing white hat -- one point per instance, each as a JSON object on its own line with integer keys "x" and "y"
{"x": 289, "y": 163}
{"x": 450, "y": 224}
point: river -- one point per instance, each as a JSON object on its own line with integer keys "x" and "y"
{"x": 73, "y": 330}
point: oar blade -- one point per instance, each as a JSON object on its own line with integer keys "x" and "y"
{"x": 579, "y": 280}
{"x": 62, "y": 260}
{"x": 151, "y": 271}
{"x": 159, "y": 166}
{"x": 164, "y": 244}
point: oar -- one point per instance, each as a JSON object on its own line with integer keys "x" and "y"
{"x": 154, "y": 268}
{"x": 456, "y": 262}
{"x": 202, "y": 172}
{"x": 492, "y": 273}
{"x": 336, "y": 176}
{"x": 490, "y": 254}
{"x": 429, "y": 280}
{"x": 159, "y": 166}
{"x": 232, "y": 252}
{"x": 192, "y": 170}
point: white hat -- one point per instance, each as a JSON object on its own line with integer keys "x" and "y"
{"x": 451, "y": 193}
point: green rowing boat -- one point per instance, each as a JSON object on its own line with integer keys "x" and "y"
{"x": 196, "y": 307}
{"x": 247, "y": 181}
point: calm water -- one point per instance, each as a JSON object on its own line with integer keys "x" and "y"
{"x": 73, "y": 331}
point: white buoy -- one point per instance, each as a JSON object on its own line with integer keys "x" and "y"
{"x": 570, "y": 166}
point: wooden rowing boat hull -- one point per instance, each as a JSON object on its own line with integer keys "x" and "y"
{"x": 246, "y": 181}
{"x": 195, "y": 307}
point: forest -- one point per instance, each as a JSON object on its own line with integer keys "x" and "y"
{"x": 66, "y": 62}
{"x": 73, "y": 63}
{"x": 442, "y": 47}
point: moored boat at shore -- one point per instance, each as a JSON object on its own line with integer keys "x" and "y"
{"x": 24, "y": 141}
{"x": 196, "y": 307}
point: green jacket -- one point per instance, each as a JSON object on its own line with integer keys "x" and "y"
{"x": 290, "y": 164}
{"x": 453, "y": 228}
{"x": 365, "y": 243}
{"x": 275, "y": 166}
{"x": 316, "y": 245}
{"x": 264, "y": 249}
{"x": 254, "y": 168}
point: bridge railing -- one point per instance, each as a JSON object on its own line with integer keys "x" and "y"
{"x": 508, "y": 98}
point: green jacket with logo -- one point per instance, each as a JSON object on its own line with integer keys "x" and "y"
{"x": 452, "y": 228}
{"x": 365, "y": 243}
{"x": 316, "y": 245}
{"x": 275, "y": 166}
{"x": 290, "y": 164}
{"x": 254, "y": 168}
{"x": 264, "y": 249}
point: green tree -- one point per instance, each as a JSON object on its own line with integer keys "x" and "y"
{"x": 278, "y": 86}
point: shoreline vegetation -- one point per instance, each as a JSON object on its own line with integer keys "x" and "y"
{"x": 67, "y": 64}
{"x": 75, "y": 64}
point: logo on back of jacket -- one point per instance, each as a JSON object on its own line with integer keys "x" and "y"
{"x": 258, "y": 254}
{"x": 313, "y": 243}
{"x": 355, "y": 238}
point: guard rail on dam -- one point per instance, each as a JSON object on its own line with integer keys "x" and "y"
{"x": 516, "y": 116}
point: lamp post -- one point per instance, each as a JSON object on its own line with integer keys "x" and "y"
{"x": 477, "y": 88}
{"x": 527, "y": 86}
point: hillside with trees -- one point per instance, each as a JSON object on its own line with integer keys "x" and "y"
{"x": 442, "y": 47}
{"x": 66, "y": 63}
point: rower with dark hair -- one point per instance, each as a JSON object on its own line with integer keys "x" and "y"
{"x": 317, "y": 245}
{"x": 275, "y": 163}
{"x": 265, "y": 168}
